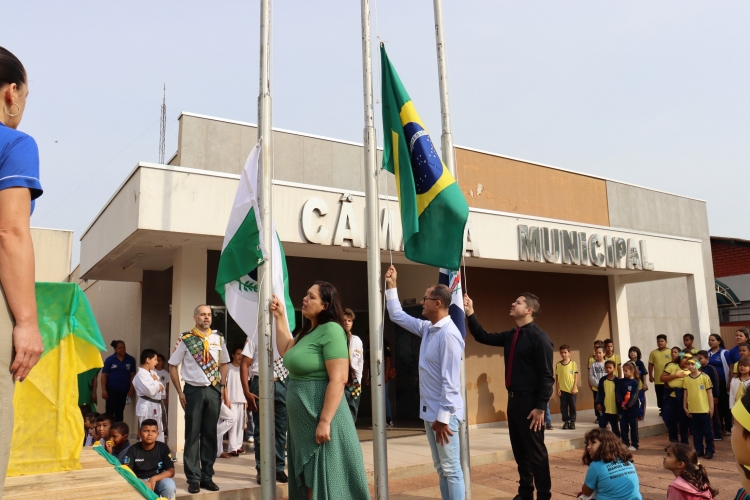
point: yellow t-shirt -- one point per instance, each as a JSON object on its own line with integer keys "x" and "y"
{"x": 659, "y": 359}
{"x": 566, "y": 375}
{"x": 640, "y": 384}
{"x": 734, "y": 370}
{"x": 693, "y": 351}
{"x": 591, "y": 360}
{"x": 610, "y": 402}
{"x": 615, "y": 358}
{"x": 677, "y": 383}
{"x": 698, "y": 390}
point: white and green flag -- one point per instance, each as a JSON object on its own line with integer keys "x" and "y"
{"x": 242, "y": 253}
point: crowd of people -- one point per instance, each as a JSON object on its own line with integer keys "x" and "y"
{"x": 317, "y": 376}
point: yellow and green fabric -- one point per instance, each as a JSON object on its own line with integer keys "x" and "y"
{"x": 48, "y": 426}
{"x": 433, "y": 208}
{"x": 128, "y": 474}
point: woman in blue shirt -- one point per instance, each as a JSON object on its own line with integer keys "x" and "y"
{"x": 742, "y": 335}
{"x": 117, "y": 380}
{"x": 719, "y": 359}
{"x": 19, "y": 186}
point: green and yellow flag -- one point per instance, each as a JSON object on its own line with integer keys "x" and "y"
{"x": 48, "y": 426}
{"x": 433, "y": 208}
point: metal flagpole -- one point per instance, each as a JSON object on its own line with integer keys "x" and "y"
{"x": 377, "y": 366}
{"x": 446, "y": 141}
{"x": 265, "y": 275}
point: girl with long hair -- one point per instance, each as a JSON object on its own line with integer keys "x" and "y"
{"x": 611, "y": 474}
{"x": 691, "y": 478}
{"x": 634, "y": 354}
{"x": 324, "y": 456}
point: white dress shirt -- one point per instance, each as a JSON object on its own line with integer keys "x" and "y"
{"x": 191, "y": 371}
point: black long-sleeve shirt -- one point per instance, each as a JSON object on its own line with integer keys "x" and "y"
{"x": 532, "y": 364}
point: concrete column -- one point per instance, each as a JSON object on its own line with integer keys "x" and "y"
{"x": 188, "y": 292}
{"x": 618, "y": 312}
{"x": 700, "y": 323}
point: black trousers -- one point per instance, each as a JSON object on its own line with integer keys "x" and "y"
{"x": 676, "y": 419}
{"x": 201, "y": 418}
{"x": 116, "y": 403}
{"x": 629, "y": 427}
{"x": 612, "y": 420}
{"x": 529, "y": 449}
{"x": 725, "y": 414}
{"x": 568, "y": 406}
{"x": 659, "y": 388}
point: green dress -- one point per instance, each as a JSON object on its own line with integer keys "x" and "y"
{"x": 334, "y": 470}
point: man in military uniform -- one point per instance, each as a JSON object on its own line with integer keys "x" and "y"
{"x": 203, "y": 356}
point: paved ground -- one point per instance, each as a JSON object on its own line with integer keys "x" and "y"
{"x": 499, "y": 480}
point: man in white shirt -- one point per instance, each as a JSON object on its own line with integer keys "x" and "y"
{"x": 357, "y": 362}
{"x": 441, "y": 405}
{"x": 203, "y": 358}
{"x": 251, "y": 386}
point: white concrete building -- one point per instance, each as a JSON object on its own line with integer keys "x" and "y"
{"x": 645, "y": 267}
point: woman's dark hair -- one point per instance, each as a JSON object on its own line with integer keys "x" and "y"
{"x": 611, "y": 448}
{"x": 332, "y": 312}
{"x": 147, "y": 354}
{"x": 718, "y": 337}
{"x": 11, "y": 69}
{"x": 637, "y": 352}
{"x": 115, "y": 343}
{"x": 694, "y": 472}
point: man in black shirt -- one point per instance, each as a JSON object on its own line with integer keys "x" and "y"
{"x": 151, "y": 461}
{"x": 529, "y": 380}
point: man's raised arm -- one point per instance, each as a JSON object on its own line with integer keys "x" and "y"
{"x": 395, "y": 312}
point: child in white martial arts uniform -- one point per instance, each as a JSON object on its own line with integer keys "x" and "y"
{"x": 163, "y": 375}
{"x": 147, "y": 386}
{"x": 232, "y": 418}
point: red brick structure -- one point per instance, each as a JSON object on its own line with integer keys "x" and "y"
{"x": 731, "y": 256}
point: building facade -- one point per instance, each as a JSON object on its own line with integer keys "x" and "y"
{"x": 607, "y": 259}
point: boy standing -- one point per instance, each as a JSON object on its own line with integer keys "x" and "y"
{"x": 151, "y": 461}
{"x": 688, "y": 339}
{"x": 713, "y": 375}
{"x": 596, "y": 372}
{"x": 698, "y": 404}
{"x": 657, "y": 360}
{"x": 606, "y": 401}
{"x": 566, "y": 384}
{"x": 609, "y": 355}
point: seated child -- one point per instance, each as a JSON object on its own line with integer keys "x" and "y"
{"x": 103, "y": 423}
{"x": 691, "y": 478}
{"x": 118, "y": 442}
{"x": 611, "y": 472}
{"x": 151, "y": 461}
{"x": 741, "y": 444}
{"x": 89, "y": 428}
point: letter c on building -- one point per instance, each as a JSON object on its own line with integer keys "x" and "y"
{"x": 315, "y": 231}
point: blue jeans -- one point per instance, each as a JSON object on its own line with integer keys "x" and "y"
{"x": 447, "y": 460}
{"x": 165, "y": 488}
{"x": 547, "y": 415}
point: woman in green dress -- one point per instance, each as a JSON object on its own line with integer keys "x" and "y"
{"x": 325, "y": 459}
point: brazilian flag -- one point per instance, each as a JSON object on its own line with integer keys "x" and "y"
{"x": 433, "y": 208}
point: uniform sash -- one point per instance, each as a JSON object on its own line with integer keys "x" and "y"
{"x": 207, "y": 363}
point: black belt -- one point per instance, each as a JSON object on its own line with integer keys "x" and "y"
{"x": 520, "y": 394}
{"x": 151, "y": 400}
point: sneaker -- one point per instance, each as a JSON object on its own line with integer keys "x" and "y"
{"x": 632, "y": 448}
{"x": 709, "y": 455}
{"x": 572, "y": 426}
{"x": 548, "y": 426}
{"x": 224, "y": 454}
{"x": 566, "y": 425}
{"x": 389, "y": 422}
{"x": 718, "y": 438}
{"x": 251, "y": 439}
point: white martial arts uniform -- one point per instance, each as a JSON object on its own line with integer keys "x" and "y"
{"x": 227, "y": 418}
{"x": 145, "y": 385}
{"x": 238, "y": 401}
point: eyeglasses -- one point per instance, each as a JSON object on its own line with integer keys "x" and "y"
{"x": 428, "y": 298}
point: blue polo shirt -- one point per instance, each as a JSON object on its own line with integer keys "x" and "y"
{"x": 19, "y": 162}
{"x": 118, "y": 372}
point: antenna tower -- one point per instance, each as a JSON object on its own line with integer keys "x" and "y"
{"x": 163, "y": 133}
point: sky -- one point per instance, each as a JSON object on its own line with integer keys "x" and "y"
{"x": 651, "y": 93}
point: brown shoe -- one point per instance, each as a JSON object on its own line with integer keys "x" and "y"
{"x": 224, "y": 454}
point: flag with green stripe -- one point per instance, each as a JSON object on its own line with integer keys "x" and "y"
{"x": 242, "y": 253}
{"x": 433, "y": 208}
